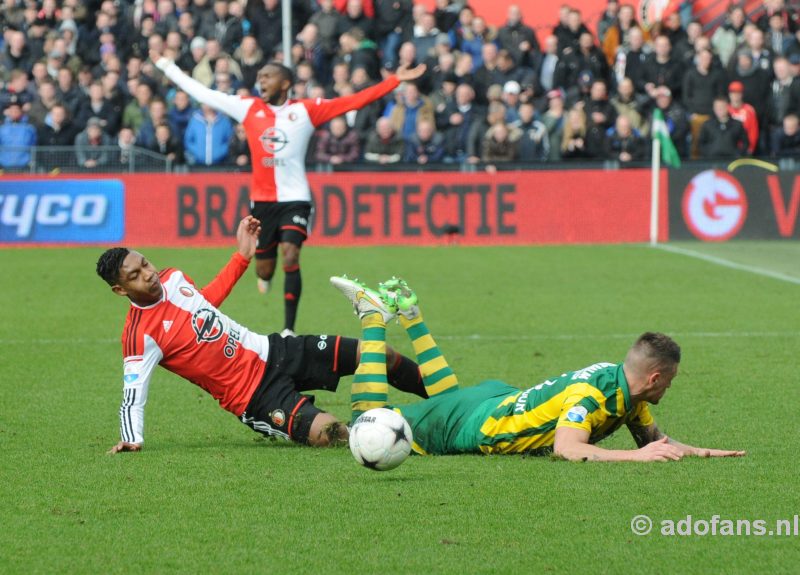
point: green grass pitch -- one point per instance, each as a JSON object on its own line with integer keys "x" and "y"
{"x": 207, "y": 495}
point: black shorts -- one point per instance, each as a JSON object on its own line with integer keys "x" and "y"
{"x": 297, "y": 364}
{"x": 280, "y": 222}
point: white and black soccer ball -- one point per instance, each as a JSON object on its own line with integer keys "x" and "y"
{"x": 380, "y": 439}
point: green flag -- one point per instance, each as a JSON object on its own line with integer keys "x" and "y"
{"x": 669, "y": 154}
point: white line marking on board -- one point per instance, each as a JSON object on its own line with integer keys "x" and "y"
{"x": 729, "y": 264}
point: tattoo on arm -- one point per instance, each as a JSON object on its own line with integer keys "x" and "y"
{"x": 644, "y": 435}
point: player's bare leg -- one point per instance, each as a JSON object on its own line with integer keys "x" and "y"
{"x": 292, "y": 285}
{"x": 265, "y": 269}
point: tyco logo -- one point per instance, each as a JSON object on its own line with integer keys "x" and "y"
{"x": 207, "y": 325}
{"x": 273, "y": 140}
{"x": 714, "y": 206}
{"x": 63, "y": 211}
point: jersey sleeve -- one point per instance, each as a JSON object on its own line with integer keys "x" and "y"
{"x": 320, "y": 111}
{"x": 220, "y": 287}
{"x": 640, "y": 416}
{"x": 233, "y": 106}
{"x": 137, "y": 371}
{"x": 581, "y": 412}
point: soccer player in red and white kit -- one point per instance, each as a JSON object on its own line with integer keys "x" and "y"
{"x": 278, "y": 132}
{"x": 173, "y": 323}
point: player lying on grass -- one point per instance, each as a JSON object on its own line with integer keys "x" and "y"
{"x": 567, "y": 414}
{"x": 258, "y": 378}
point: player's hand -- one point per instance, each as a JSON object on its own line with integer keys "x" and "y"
{"x": 247, "y": 236}
{"x": 125, "y": 446}
{"x": 705, "y": 452}
{"x": 406, "y": 74}
{"x": 658, "y": 450}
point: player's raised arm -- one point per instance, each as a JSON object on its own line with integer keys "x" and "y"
{"x": 646, "y": 435}
{"x": 320, "y": 111}
{"x": 246, "y": 240}
{"x": 227, "y": 104}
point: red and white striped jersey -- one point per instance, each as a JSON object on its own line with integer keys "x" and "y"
{"x": 278, "y": 136}
{"x": 186, "y": 334}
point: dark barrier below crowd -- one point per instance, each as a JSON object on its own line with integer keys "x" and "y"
{"x": 506, "y": 208}
{"x": 592, "y": 206}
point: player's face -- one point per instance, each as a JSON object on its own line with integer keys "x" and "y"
{"x": 138, "y": 279}
{"x": 659, "y": 383}
{"x": 274, "y": 86}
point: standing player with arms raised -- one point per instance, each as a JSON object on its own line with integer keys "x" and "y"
{"x": 278, "y": 132}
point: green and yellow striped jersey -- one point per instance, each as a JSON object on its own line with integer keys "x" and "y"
{"x": 596, "y": 399}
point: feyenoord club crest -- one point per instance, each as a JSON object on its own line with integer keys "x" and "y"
{"x": 273, "y": 140}
{"x": 207, "y": 325}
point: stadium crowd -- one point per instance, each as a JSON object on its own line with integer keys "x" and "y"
{"x": 78, "y": 73}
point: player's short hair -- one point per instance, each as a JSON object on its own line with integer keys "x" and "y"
{"x": 285, "y": 71}
{"x": 658, "y": 348}
{"x": 110, "y": 263}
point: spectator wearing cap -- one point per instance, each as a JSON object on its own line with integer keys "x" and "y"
{"x": 722, "y": 137}
{"x": 675, "y": 117}
{"x": 510, "y": 97}
{"x": 701, "y": 85}
{"x": 728, "y": 37}
{"x": 408, "y": 110}
{"x": 207, "y": 138}
{"x": 426, "y": 146}
{"x": 91, "y": 146}
{"x": 786, "y": 140}
{"x": 337, "y": 144}
{"x": 383, "y": 145}
{"x": 16, "y": 137}
{"x": 744, "y": 113}
{"x": 623, "y": 144}
{"x": 553, "y": 119}
{"x": 519, "y": 39}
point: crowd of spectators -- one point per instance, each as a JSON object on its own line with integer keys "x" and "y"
{"x": 77, "y": 73}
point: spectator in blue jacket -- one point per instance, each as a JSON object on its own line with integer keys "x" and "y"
{"x": 16, "y": 137}
{"x": 207, "y": 138}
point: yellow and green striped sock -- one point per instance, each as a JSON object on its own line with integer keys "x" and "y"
{"x": 437, "y": 375}
{"x": 370, "y": 388}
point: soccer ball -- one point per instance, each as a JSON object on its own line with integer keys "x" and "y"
{"x": 380, "y": 439}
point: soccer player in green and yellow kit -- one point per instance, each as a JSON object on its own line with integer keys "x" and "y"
{"x": 566, "y": 415}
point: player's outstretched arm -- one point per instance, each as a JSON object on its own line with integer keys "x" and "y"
{"x": 573, "y": 445}
{"x": 406, "y": 74}
{"x": 125, "y": 446}
{"x": 646, "y": 435}
{"x": 227, "y": 104}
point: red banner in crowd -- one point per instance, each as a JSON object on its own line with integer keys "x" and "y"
{"x": 352, "y": 208}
